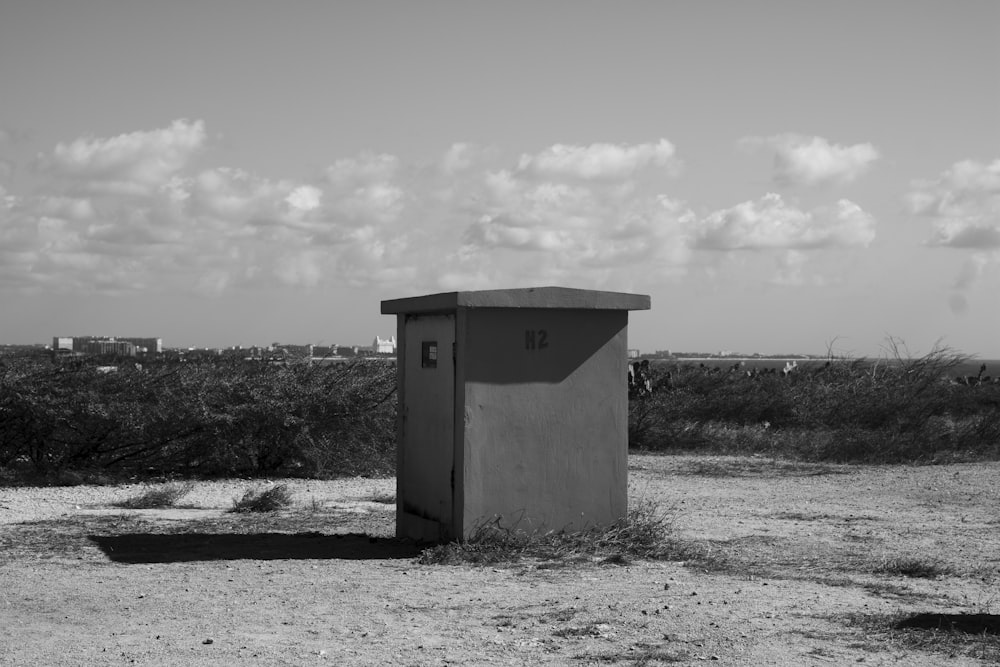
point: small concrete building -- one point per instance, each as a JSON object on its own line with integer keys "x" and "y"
{"x": 513, "y": 408}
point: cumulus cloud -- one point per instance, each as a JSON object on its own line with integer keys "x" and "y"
{"x": 137, "y": 211}
{"x": 963, "y": 207}
{"x": 962, "y": 203}
{"x": 599, "y": 161}
{"x": 571, "y": 213}
{"x": 228, "y": 195}
{"x": 129, "y": 163}
{"x": 801, "y": 160}
{"x": 771, "y": 223}
{"x": 366, "y": 168}
{"x": 459, "y": 157}
{"x": 304, "y": 198}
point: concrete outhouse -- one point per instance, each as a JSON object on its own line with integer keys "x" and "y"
{"x": 513, "y": 408}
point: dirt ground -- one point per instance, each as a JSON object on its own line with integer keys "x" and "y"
{"x": 798, "y": 565}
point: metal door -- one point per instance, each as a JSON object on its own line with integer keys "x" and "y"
{"x": 426, "y": 476}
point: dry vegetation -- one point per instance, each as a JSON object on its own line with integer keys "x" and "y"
{"x": 270, "y": 499}
{"x": 158, "y": 497}
{"x": 69, "y": 422}
{"x": 892, "y": 410}
{"x": 765, "y": 532}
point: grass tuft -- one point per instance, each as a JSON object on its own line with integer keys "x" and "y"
{"x": 158, "y": 497}
{"x": 384, "y": 497}
{"x": 969, "y": 635}
{"x": 915, "y": 567}
{"x": 271, "y": 499}
{"x": 646, "y": 533}
{"x": 643, "y": 656}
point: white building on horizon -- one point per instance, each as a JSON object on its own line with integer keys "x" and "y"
{"x": 384, "y": 345}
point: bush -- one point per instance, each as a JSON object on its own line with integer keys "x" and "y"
{"x": 199, "y": 417}
{"x": 254, "y": 418}
{"x": 159, "y": 497}
{"x": 894, "y": 409}
{"x": 271, "y": 499}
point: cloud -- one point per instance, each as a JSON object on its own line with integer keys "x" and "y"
{"x": 230, "y": 196}
{"x": 459, "y": 157}
{"x": 972, "y": 269}
{"x": 300, "y": 269}
{"x": 131, "y": 163}
{"x": 963, "y": 204}
{"x": 599, "y": 161}
{"x": 971, "y": 273}
{"x": 366, "y": 168}
{"x": 801, "y": 160}
{"x": 138, "y": 211}
{"x": 130, "y": 212}
{"x": 304, "y": 198}
{"x": 958, "y": 304}
{"x": 771, "y": 223}
{"x": 790, "y": 268}
{"x": 570, "y": 215}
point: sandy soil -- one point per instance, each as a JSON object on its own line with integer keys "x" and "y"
{"x": 794, "y": 558}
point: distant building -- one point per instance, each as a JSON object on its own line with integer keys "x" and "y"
{"x": 62, "y": 343}
{"x": 294, "y": 351}
{"x": 107, "y": 345}
{"x": 325, "y": 351}
{"x": 119, "y": 348}
{"x": 384, "y": 345}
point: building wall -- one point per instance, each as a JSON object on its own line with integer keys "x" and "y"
{"x": 149, "y": 344}
{"x": 538, "y": 402}
{"x": 384, "y": 345}
{"x": 545, "y": 414}
{"x": 116, "y": 347}
{"x": 107, "y": 345}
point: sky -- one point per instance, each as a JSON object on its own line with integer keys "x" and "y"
{"x": 779, "y": 176}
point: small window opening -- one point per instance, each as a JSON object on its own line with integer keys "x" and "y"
{"x": 429, "y": 354}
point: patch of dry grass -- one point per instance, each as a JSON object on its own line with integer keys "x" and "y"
{"x": 384, "y": 497}
{"x": 158, "y": 497}
{"x": 916, "y": 567}
{"x": 271, "y": 499}
{"x": 646, "y": 533}
{"x": 968, "y": 635}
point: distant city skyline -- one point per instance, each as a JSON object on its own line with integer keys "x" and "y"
{"x": 887, "y": 351}
{"x": 779, "y": 176}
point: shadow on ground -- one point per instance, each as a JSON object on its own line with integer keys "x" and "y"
{"x": 186, "y": 547}
{"x": 973, "y": 624}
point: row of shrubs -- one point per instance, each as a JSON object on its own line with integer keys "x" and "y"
{"x": 198, "y": 418}
{"x": 214, "y": 418}
{"x": 890, "y": 410}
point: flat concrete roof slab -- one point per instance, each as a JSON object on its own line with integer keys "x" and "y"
{"x": 527, "y": 297}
